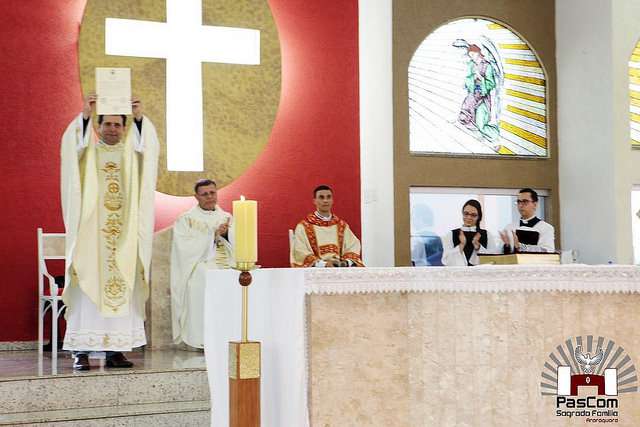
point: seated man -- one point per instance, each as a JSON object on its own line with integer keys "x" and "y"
{"x": 324, "y": 240}
{"x": 531, "y": 234}
{"x": 199, "y": 242}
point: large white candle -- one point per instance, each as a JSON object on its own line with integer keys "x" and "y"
{"x": 245, "y": 218}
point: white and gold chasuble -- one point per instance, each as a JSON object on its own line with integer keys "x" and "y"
{"x": 320, "y": 240}
{"x": 194, "y": 250}
{"x": 108, "y": 195}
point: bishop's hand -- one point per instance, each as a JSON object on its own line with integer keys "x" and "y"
{"x": 89, "y": 105}
{"x": 136, "y": 108}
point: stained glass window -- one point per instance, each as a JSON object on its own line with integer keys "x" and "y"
{"x": 477, "y": 88}
{"x": 634, "y": 95}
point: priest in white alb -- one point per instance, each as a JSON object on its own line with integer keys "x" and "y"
{"x": 108, "y": 183}
{"x": 200, "y": 242}
{"x": 324, "y": 240}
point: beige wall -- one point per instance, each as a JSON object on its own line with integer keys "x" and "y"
{"x": 413, "y": 20}
{"x": 597, "y": 165}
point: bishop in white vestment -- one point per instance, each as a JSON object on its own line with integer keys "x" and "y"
{"x": 200, "y": 242}
{"x": 108, "y": 188}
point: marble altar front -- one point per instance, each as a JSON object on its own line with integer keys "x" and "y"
{"x": 429, "y": 346}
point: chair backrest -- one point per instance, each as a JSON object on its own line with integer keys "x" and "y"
{"x": 50, "y": 246}
{"x": 292, "y": 239}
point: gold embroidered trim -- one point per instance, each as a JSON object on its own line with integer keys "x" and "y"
{"x": 341, "y": 227}
{"x": 113, "y": 197}
{"x": 104, "y": 340}
{"x": 329, "y": 249}
{"x": 309, "y": 260}
{"x": 201, "y": 226}
{"x": 115, "y": 288}
{"x": 311, "y": 236}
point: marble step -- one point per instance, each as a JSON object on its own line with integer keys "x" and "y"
{"x": 120, "y": 388}
{"x": 195, "y": 413}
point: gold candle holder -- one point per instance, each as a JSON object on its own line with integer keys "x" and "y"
{"x": 244, "y": 364}
{"x": 245, "y": 280}
{"x": 245, "y": 266}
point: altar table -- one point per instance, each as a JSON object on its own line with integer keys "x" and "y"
{"x": 433, "y": 346}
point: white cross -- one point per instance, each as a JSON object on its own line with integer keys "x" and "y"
{"x": 185, "y": 43}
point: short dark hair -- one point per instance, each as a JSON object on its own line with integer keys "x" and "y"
{"x": 476, "y": 204}
{"x": 534, "y": 195}
{"x": 203, "y": 183}
{"x": 320, "y": 188}
{"x": 101, "y": 118}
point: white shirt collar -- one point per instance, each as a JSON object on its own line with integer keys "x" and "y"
{"x": 206, "y": 212}
{"x": 527, "y": 220}
{"x": 324, "y": 218}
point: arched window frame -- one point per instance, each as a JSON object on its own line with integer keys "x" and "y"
{"x": 524, "y": 123}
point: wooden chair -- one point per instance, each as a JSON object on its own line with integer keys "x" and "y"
{"x": 51, "y": 246}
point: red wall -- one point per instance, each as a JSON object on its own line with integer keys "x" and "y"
{"x": 315, "y": 138}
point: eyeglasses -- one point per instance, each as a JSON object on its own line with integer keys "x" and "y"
{"x": 523, "y": 202}
{"x": 470, "y": 214}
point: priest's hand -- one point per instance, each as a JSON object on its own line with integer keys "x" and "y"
{"x": 505, "y": 238}
{"x": 463, "y": 241}
{"x": 136, "y": 108}
{"x": 476, "y": 241}
{"x": 89, "y": 105}
{"x": 333, "y": 262}
{"x": 222, "y": 229}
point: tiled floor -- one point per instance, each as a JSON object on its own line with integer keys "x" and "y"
{"x": 17, "y": 364}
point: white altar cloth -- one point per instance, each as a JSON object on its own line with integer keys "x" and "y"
{"x": 277, "y": 315}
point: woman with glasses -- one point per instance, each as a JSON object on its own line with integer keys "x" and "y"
{"x": 462, "y": 245}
